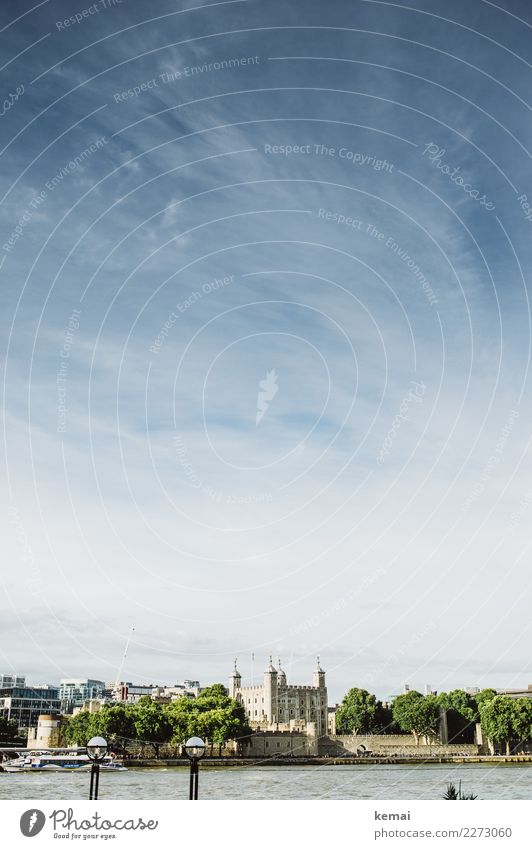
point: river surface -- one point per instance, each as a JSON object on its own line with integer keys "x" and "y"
{"x": 380, "y": 781}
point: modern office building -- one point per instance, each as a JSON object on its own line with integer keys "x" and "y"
{"x": 131, "y": 693}
{"x": 25, "y": 704}
{"x": 11, "y": 680}
{"x": 73, "y": 692}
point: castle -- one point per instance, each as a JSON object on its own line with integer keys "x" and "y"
{"x": 277, "y": 705}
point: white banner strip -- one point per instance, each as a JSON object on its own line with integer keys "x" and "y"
{"x": 269, "y": 824}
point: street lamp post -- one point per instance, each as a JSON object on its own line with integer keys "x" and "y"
{"x": 96, "y": 750}
{"x": 194, "y": 750}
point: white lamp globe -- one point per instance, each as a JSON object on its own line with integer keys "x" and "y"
{"x": 97, "y": 748}
{"x": 195, "y": 748}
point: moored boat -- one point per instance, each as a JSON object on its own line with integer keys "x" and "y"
{"x": 55, "y": 762}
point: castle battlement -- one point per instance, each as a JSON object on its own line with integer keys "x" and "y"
{"x": 283, "y": 688}
{"x": 272, "y": 732}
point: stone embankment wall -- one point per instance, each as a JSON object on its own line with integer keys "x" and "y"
{"x": 281, "y": 743}
{"x": 390, "y": 744}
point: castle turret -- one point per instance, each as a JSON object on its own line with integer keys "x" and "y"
{"x": 235, "y": 681}
{"x": 281, "y": 676}
{"x": 318, "y": 676}
{"x": 270, "y": 692}
{"x": 318, "y": 679}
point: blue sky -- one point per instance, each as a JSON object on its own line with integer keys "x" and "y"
{"x": 334, "y": 195}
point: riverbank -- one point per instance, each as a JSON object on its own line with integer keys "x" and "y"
{"x": 218, "y": 763}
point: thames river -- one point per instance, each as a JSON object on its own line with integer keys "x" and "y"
{"x": 291, "y": 782}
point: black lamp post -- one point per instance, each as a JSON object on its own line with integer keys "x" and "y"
{"x": 194, "y": 750}
{"x": 96, "y": 749}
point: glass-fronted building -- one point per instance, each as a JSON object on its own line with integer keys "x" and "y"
{"x": 24, "y": 704}
{"x": 74, "y": 692}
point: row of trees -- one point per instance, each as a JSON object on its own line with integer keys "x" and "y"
{"x": 361, "y": 713}
{"x": 502, "y": 718}
{"x": 212, "y": 715}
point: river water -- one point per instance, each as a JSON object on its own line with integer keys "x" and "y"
{"x": 380, "y": 781}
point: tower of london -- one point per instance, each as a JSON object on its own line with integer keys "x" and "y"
{"x": 277, "y": 705}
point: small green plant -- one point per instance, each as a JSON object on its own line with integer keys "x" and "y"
{"x": 453, "y": 793}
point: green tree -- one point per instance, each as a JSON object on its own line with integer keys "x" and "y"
{"x": 358, "y": 713}
{"x": 213, "y": 715}
{"x": 229, "y": 723}
{"x": 215, "y": 695}
{"x": 115, "y": 722}
{"x": 180, "y": 715}
{"x": 79, "y": 728}
{"x": 151, "y": 723}
{"x": 484, "y": 696}
{"x": 522, "y": 719}
{"x": 8, "y": 730}
{"x": 497, "y": 716}
{"x": 461, "y": 702}
{"x": 384, "y": 719}
{"x": 221, "y": 717}
{"x": 416, "y": 714}
{"x": 462, "y": 714}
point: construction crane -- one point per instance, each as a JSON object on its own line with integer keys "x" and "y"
{"x": 122, "y": 662}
